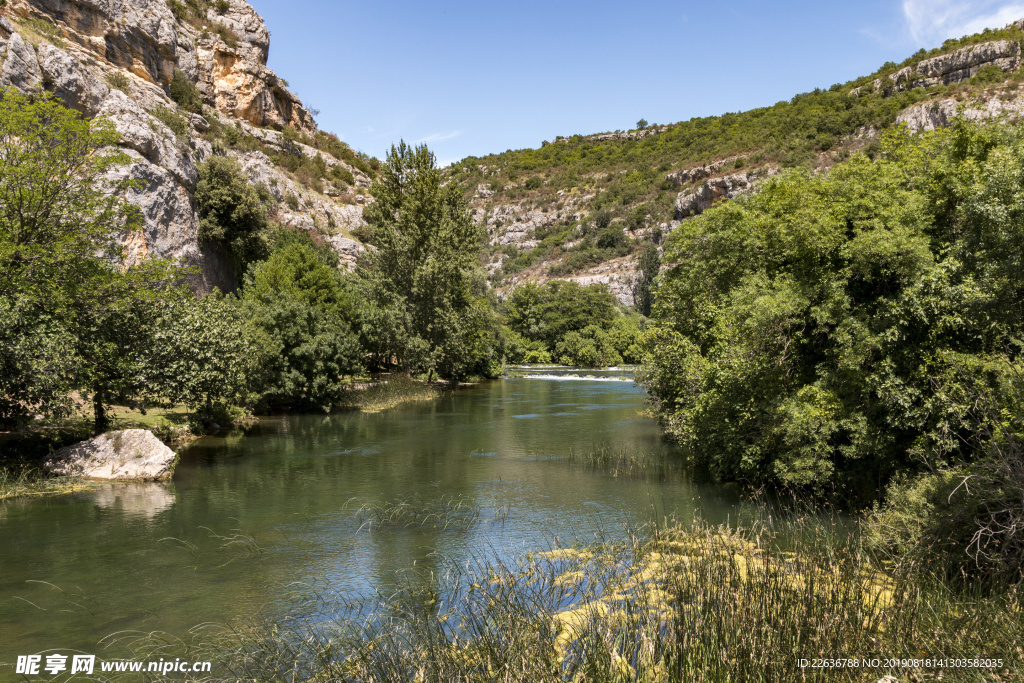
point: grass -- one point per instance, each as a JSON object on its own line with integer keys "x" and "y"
{"x": 625, "y": 462}
{"x": 446, "y": 512}
{"x": 21, "y": 481}
{"x": 678, "y": 603}
{"x": 391, "y": 393}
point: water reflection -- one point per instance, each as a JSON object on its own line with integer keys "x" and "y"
{"x": 249, "y": 515}
{"x": 145, "y": 499}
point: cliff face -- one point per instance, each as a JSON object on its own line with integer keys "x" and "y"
{"x": 118, "y": 58}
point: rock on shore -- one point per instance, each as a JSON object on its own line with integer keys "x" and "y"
{"x": 132, "y": 454}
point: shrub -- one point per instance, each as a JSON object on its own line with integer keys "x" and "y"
{"x": 229, "y": 37}
{"x": 222, "y": 6}
{"x": 172, "y": 119}
{"x": 233, "y": 212}
{"x": 342, "y": 175}
{"x": 118, "y": 81}
{"x": 533, "y": 183}
{"x": 185, "y": 93}
{"x": 178, "y": 9}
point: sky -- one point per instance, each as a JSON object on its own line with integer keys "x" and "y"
{"x": 474, "y": 78}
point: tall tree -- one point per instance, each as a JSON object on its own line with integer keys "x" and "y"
{"x": 650, "y": 264}
{"x": 430, "y": 311}
{"x": 70, "y": 305}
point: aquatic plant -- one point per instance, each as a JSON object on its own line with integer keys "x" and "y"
{"x": 624, "y": 461}
{"x": 443, "y": 513}
{"x": 392, "y": 392}
{"x": 31, "y": 481}
{"x": 698, "y": 603}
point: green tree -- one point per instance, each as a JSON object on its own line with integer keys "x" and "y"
{"x": 72, "y": 314}
{"x": 650, "y": 265}
{"x": 547, "y": 312}
{"x": 430, "y": 310}
{"x": 233, "y": 212}
{"x": 208, "y": 355}
{"x": 303, "y": 302}
{"x": 591, "y": 347}
{"x": 834, "y": 329}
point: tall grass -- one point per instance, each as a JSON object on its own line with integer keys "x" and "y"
{"x": 21, "y": 481}
{"x": 694, "y": 603}
{"x": 446, "y": 512}
{"x": 625, "y": 462}
{"x": 392, "y": 392}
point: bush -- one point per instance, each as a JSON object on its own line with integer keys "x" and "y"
{"x": 118, "y": 81}
{"x": 233, "y": 212}
{"x": 172, "y": 119}
{"x": 966, "y": 522}
{"x": 185, "y": 93}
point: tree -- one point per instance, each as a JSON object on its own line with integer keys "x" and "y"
{"x": 233, "y": 212}
{"x": 589, "y": 348}
{"x": 300, "y": 299}
{"x": 208, "y": 355}
{"x": 70, "y": 305}
{"x": 650, "y": 265}
{"x": 547, "y": 312}
{"x": 430, "y": 311}
{"x": 832, "y": 330}
{"x": 641, "y": 124}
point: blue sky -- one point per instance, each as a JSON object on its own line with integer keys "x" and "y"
{"x": 471, "y": 78}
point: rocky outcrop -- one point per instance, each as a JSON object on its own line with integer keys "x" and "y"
{"x": 696, "y": 201}
{"x": 954, "y": 67}
{"x": 235, "y": 79}
{"x": 115, "y": 59}
{"x": 624, "y": 135}
{"x": 941, "y": 113}
{"x": 132, "y": 454}
{"x": 692, "y": 175}
{"x": 517, "y": 223}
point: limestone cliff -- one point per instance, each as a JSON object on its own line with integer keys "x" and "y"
{"x": 118, "y": 58}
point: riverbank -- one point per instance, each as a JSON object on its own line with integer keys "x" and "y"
{"x": 775, "y": 601}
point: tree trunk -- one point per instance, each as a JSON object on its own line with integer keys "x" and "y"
{"x": 99, "y": 411}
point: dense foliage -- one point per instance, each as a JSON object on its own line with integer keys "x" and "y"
{"x": 73, "y": 319}
{"x": 304, "y": 303}
{"x": 429, "y": 310}
{"x": 233, "y": 212}
{"x": 834, "y": 329}
{"x": 565, "y": 322}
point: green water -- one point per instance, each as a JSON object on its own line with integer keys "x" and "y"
{"x": 247, "y": 516}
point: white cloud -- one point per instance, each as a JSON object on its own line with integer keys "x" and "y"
{"x": 932, "y": 21}
{"x": 438, "y": 137}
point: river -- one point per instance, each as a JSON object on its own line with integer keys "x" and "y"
{"x": 248, "y": 516}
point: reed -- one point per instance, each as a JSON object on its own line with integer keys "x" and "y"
{"x": 625, "y": 462}
{"x": 444, "y": 512}
{"x": 18, "y": 481}
{"x": 391, "y": 393}
{"x": 675, "y": 603}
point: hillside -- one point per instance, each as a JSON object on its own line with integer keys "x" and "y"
{"x": 181, "y": 82}
{"x": 185, "y": 81}
{"x": 581, "y": 207}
